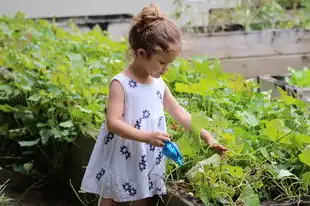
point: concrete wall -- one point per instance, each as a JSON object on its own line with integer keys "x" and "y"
{"x": 62, "y": 8}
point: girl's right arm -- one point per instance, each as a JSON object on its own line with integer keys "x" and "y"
{"x": 117, "y": 125}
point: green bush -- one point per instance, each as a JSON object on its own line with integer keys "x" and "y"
{"x": 53, "y": 87}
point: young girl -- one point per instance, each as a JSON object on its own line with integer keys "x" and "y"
{"x": 127, "y": 164}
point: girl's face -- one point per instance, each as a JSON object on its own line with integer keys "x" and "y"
{"x": 157, "y": 64}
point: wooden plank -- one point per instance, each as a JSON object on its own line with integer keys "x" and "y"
{"x": 268, "y": 65}
{"x": 240, "y": 44}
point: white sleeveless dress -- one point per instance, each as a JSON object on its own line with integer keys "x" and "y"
{"x": 126, "y": 170}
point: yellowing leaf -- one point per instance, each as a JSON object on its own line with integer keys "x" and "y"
{"x": 236, "y": 83}
{"x": 285, "y": 97}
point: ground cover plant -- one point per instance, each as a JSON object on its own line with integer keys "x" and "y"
{"x": 299, "y": 78}
{"x": 53, "y": 90}
{"x": 4, "y": 200}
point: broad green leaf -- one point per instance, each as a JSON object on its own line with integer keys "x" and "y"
{"x": 306, "y": 180}
{"x": 29, "y": 143}
{"x": 284, "y": 173}
{"x": 299, "y": 140}
{"x": 6, "y": 108}
{"x": 234, "y": 171}
{"x": 77, "y": 60}
{"x": 305, "y": 156}
{"x": 35, "y": 97}
{"x": 248, "y": 118}
{"x": 248, "y": 197}
{"x": 56, "y": 133}
{"x": 185, "y": 146}
{"x": 66, "y": 124}
{"x": 97, "y": 78}
{"x": 83, "y": 109}
{"x": 264, "y": 152}
{"x": 198, "y": 122}
{"x": 276, "y": 130}
{"x": 214, "y": 160}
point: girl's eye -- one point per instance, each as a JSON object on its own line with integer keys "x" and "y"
{"x": 161, "y": 62}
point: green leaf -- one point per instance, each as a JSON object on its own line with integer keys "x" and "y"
{"x": 276, "y": 130}
{"x": 248, "y": 118}
{"x": 234, "y": 171}
{"x": 305, "y": 156}
{"x": 45, "y": 135}
{"x": 248, "y": 197}
{"x": 214, "y": 160}
{"x": 284, "y": 173}
{"x": 83, "y": 109}
{"x": 6, "y": 108}
{"x": 185, "y": 146}
{"x": 285, "y": 97}
{"x": 66, "y": 124}
{"x": 198, "y": 122}
{"x": 77, "y": 60}
{"x": 35, "y": 97}
{"x": 306, "y": 180}
{"x": 264, "y": 152}
{"x": 29, "y": 143}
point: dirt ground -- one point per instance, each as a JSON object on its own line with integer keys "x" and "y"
{"x": 39, "y": 198}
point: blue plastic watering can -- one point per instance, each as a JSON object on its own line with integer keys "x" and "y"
{"x": 171, "y": 150}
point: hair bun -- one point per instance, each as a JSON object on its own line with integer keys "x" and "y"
{"x": 149, "y": 16}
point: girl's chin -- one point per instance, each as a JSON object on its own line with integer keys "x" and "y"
{"x": 158, "y": 75}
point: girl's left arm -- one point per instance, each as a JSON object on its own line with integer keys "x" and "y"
{"x": 183, "y": 117}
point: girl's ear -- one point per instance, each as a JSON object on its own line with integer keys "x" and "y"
{"x": 141, "y": 53}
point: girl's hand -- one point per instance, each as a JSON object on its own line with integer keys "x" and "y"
{"x": 219, "y": 148}
{"x": 157, "y": 139}
{"x": 210, "y": 140}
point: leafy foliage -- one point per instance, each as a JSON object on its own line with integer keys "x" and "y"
{"x": 53, "y": 86}
{"x": 268, "y": 139}
{"x": 53, "y": 90}
{"x": 299, "y": 78}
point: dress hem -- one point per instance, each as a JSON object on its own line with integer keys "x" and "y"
{"x": 120, "y": 200}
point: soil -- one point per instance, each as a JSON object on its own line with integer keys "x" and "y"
{"x": 39, "y": 197}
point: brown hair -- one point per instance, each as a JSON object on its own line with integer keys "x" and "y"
{"x": 153, "y": 31}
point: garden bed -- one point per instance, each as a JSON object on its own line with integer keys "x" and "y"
{"x": 272, "y": 83}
